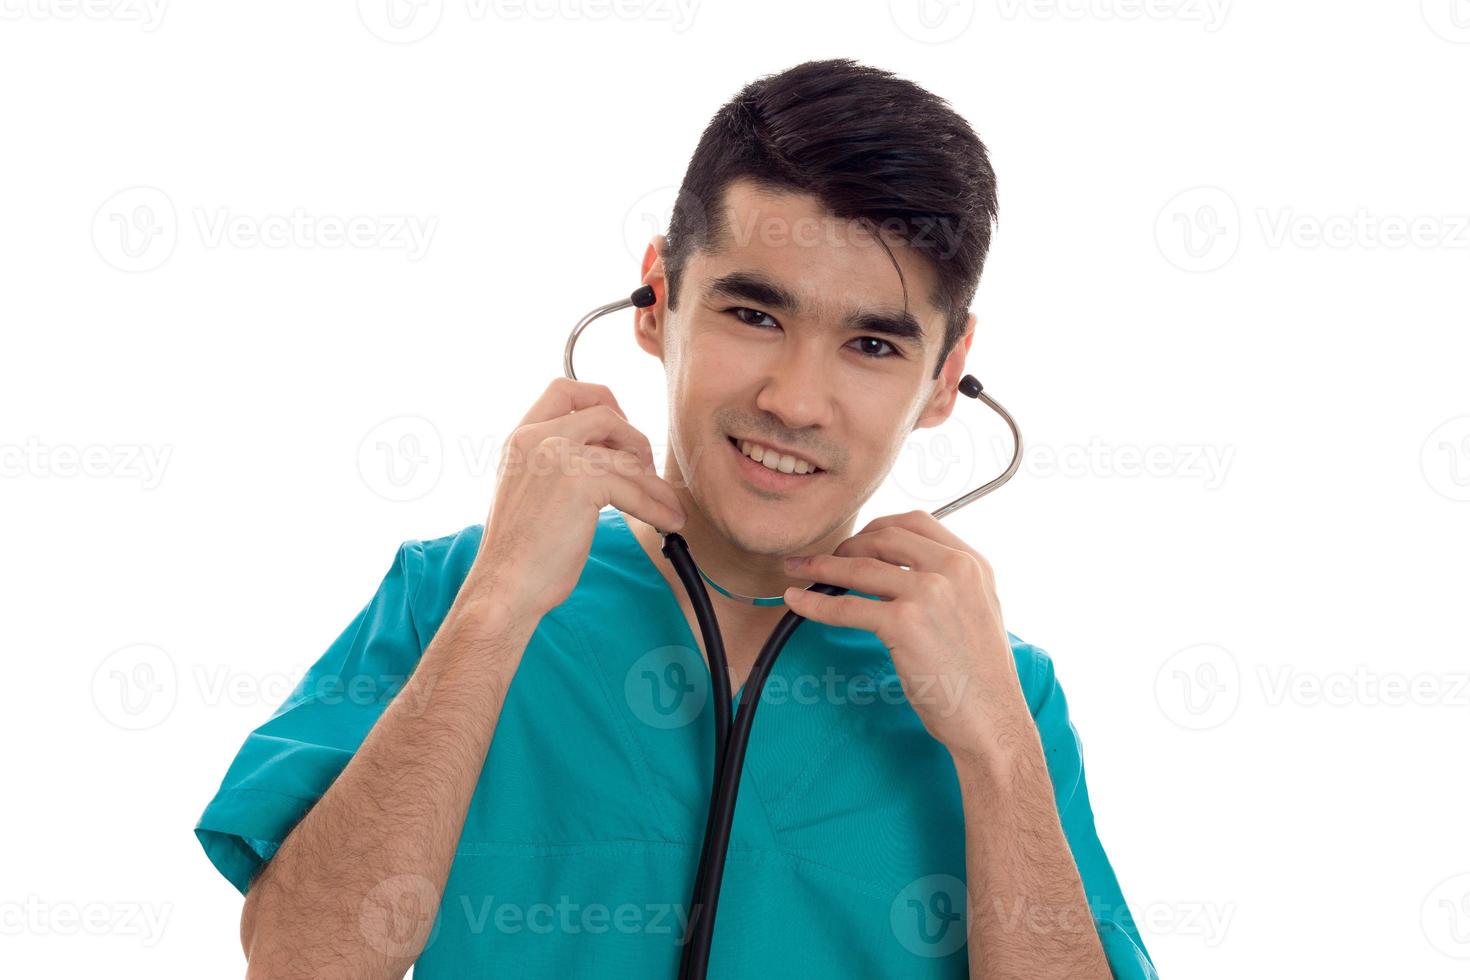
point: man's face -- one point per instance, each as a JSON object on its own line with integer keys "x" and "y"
{"x": 792, "y": 337}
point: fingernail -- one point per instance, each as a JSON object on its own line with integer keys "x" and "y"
{"x": 795, "y": 562}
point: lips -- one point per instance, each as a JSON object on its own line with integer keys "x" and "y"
{"x": 766, "y": 478}
{"x": 774, "y": 458}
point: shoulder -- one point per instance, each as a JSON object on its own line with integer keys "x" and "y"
{"x": 1035, "y": 670}
{"x": 432, "y": 570}
{"x": 446, "y": 556}
{"x": 1047, "y": 701}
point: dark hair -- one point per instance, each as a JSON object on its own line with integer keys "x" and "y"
{"x": 871, "y": 147}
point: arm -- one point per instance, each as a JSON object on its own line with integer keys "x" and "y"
{"x": 1033, "y": 861}
{"x": 1028, "y": 912}
{"x": 348, "y": 815}
{"x": 383, "y": 835}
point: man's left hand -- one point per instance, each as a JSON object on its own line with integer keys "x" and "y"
{"x": 940, "y": 620}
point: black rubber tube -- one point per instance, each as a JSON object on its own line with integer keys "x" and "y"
{"x": 695, "y": 962}
{"x": 676, "y": 550}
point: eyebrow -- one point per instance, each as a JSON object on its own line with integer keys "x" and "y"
{"x": 753, "y": 287}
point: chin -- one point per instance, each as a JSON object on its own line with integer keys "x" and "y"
{"x": 767, "y": 533}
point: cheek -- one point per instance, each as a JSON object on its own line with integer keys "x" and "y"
{"x": 877, "y": 446}
{"x": 704, "y": 357}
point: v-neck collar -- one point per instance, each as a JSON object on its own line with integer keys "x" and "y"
{"x": 792, "y": 737}
{"x": 656, "y": 577}
{"x": 634, "y": 635}
{"x": 648, "y": 574}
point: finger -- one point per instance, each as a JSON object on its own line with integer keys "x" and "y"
{"x": 599, "y": 425}
{"x": 632, "y": 496}
{"x": 852, "y": 611}
{"x": 564, "y": 396}
{"x": 921, "y": 522}
{"x": 863, "y": 574}
{"x": 898, "y": 545}
{"x": 651, "y": 499}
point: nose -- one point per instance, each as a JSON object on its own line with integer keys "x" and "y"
{"x": 796, "y": 390}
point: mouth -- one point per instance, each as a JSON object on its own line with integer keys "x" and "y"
{"x": 769, "y": 477}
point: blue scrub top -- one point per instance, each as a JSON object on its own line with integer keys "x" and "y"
{"x": 577, "y": 858}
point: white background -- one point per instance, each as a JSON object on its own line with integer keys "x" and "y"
{"x": 1233, "y": 244}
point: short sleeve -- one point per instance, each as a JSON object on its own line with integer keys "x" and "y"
{"x": 1127, "y": 957}
{"x": 288, "y": 762}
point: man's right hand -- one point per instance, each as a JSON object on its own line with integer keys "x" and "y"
{"x": 573, "y": 453}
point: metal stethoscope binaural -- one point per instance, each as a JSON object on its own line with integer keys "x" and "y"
{"x": 731, "y": 740}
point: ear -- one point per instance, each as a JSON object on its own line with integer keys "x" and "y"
{"x": 947, "y": 385}
{"x": 648, "y": 322}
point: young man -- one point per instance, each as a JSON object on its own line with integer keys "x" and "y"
{"x": 532, "y": 801}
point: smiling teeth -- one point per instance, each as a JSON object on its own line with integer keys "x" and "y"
{"x": 773, "y": 460}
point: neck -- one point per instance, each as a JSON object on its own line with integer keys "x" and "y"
{"x": 733, "y": 567}
{"x": 739, "y": 621}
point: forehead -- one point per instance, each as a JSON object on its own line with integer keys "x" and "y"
{"x": 831, "y": 264}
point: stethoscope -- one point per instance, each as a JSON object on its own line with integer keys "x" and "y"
{"x": 731, "y": 741}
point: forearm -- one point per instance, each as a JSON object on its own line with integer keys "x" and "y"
{"x": 1028, "y": 911}
{"x": 354, "y": 888}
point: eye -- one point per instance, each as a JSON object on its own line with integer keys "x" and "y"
{"x": 739, "y": 310}
{"x": 875, "y": 355}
